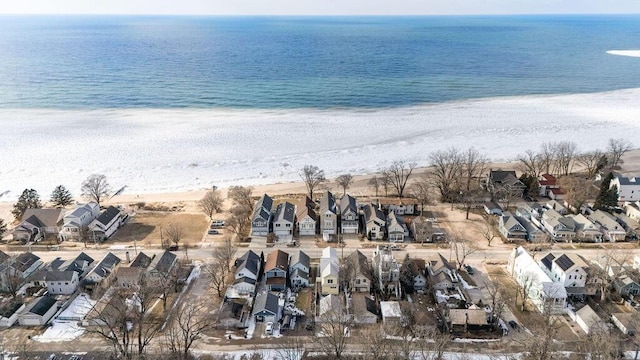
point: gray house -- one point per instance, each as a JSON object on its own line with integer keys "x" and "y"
{"x": 375, "y": 222}
{"x": 328, "y": 216}
{"x": 37, "y": 224}
{"x": 261, "y": 219}
{"x": 265, "y": 307}
{"x": 284, "y": 221}
{"x": 348, "y": 215}
{"x": 299, "y": 267}
{"x": 306, "y": 217}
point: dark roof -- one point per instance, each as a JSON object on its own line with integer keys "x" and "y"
{"x": 59, "y": 275}
{"x": 164, "y": 263}
{"x": 105, "y": 266}
{"x": 24, "y": 261}
{"x": 548, "y": 260}
{"x": 564, "y": 262}
{"x": 266, "y": 301}
{"x": 327, "y": 202}
{"x": 500, "y": 175}
{"x": 43, "y": 305}
{"x": 85, "y": 257}
{"x": 492, "y": 205}
{"x": 109, "y": 214}
{"x": 43, "y": 217}
{"x": 371, "y": 212}
{"x": 3, "y": 256}
{"x": 78, "y": 264}
{"x": 285, "y": 211}
{"x": 249, "y": 260}
{"x": 141, "y": 261}
{"x": 263, "y": 208}
{"x": 361, "y": 263}
{"x": 277, "y": 259}
{"x": 244, "y": 279}
{"x": 300, "y": 273}
{"x": 300, "y": 257}
{"x": 628, "y": 180}
{"x": 348, "y": 203}
{"x": 306, "y": 207}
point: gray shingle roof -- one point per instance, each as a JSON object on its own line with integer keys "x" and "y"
{"x": 45, "y": 217}
{"x": 263, "y": 207}
{"x": 266, "y": 301}
{"x": 141, "y": 261}
{"x": 250, "y": 261}
{"x": 285, "y": 211}
{"x": 628, "y": 180}
{"x": 59, "y": 275}
{"x": 328, "y": 203}
{"x": 106, "y": 265}
{"x": 164, "y": 263}
{"x": 348, "y": 204}
{"x": 24, "y": 261}
{"x": 109, "y": 214}
{"x": 372, "y": 213}
{"x": 300, "y": 257}
{"x": 3, "y": 257}
{"x": 43, "y": 305}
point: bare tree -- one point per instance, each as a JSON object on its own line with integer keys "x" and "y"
{"x": 174, "y": 233}
{"x": 188, "y": 324}
{"x": 462, "y": 248}
{"x": 564, "y": 153}
{"x": 312, "y": 177}
{"x": 606, "y": 269}
{"x": 421, "y": 190}
{"x": 473, "y": 166}
{"x": 375, "y": 345}
{"x": 546, "y": 157}
{"x": 291, "y": 348}
{"x": 226, "y": 253}
{"x": 211, "y": 203}
{"x": 399, "y": 173}
{"x": 374, "y": 183}
{"x": 531, "y": 163}
{"x": 433, "y": 344}
{"x": 334, "y": 332}
{"x": 220, "y": 268}
{"x": 488, "y": 229}
{"x": 578, "y": 190}
{"x": 385, "y": 181}
{"x": 543, "y": 344}
{"x": 446, "y": 172}
{"x": 617, "y": 148}
{"x": 239, "y": 220}
{"x": 525, "y": 283}
{"x": 12, "y": 281}
{"x": 591, "y": 162}
{"x": 241, "y": 196}
{"x": 344, "y": 181}
{"x": 601, "y": 344}
{"x": 96, "y": 188}
{"x": 497, "y": 301}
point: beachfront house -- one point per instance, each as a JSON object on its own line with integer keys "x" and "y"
{"x": 504, "y": 184}
{"x": 375, "y": 222}
{"x": 284, "y": 221}
{"x": 349, "y": 215}
{"x": 307, "y": 219}
{"x": 78, "y": 220}
{"x": 37, "y": 224}
{"x": 328, "y": 216}
{"x": 546, "y": 183}
{"x": 261, "y": 219}
{"x": 106, "y": 224}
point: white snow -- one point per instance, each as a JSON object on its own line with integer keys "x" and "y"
{"x": 465, "y": 284}
{"x": 168, "y": 150}
{"x": 60, "y": 331}
{"x": 78, "y": 309}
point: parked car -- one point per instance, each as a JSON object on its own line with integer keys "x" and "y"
{"x": 213, "y": 232}
{"x": 513, "y": 324}
{"x": 309, "y": 324}
{"x": 469, "y": 269}
{"x": 216, "y": 224}
{"x": 268, "y": 329}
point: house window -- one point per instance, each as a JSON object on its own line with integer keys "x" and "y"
{"x": 330, "y": 281}
{"x": 357, "y": 281}
{"x": 66, "y": 283}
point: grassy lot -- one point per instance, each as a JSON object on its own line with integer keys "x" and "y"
{"x": 145, "y": 227}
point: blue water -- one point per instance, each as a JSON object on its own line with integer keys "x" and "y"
{"x": 88, "y": 62}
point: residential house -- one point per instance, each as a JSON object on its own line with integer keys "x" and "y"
{"x": 555, "y": 205}
{"x": 328, "y": 216}
{"x": 543, "y": 292}
{"x": 629, "y": 225}
{"x": 284, "y": 221}
{"x": 266, "y": 307}
{"x": 547, "y": 182}
{"x": 329, "y": 271}
{"x": 248, "y": 265}
{"x": 262, "y": 216}
{"x": 9, "y": 313}
{"x": 106, "y": 224}
{"x": 571, "y": 270}
{"x": 608, "y": 226}
{"x": 626, "y": 286}
{"x": 79, "y": 264}
{"x": 585, "y": 229}
{"x": 561, "y": 228}
{"x": 531, "y": 210}
{"x": 331, "y": 309}
{"x": 465, "y": 320}
{"x": 61, "y": 282}
{"x": 628, "y": 187}
{"x": 162, "y": 267}
{"x": 103, "y": 269}
{"x": 415, "y": 270}
{"x": 442, "y": 274}
{"x": 299, "y": 268}
{"x": 557, "y": 194}
{"x": 37, "y": 224}
{"x": 396, "y": 228}
{"x": 391, "y": 313}
{"x": 534, "y": 233}
{"x": 348, "y": 215}
{"x": 129, "y": 277}
{"x": 632, "y": 210}
{"x": 361, "y": 279}
{"x": 402, "y": 207}
{"x": 387, "y": 271}
{"x": 363, "y": 308}
{"x": 307, "y": 220}
{"x": 141, "y": 260}
{"x": 275, "y": 270}
{"x": 38, "y": 312}
{"x": 234, "y": 313}
{"x": 75, "y": 221}
{"x": 587, "y": 319}
{"x": 511, "y": 228}
{"x": 503, "y": 184}
{"x": 492, "y": 208}
{"x": 375, "y": 222}
{"x": 15, "y": 271}
{"x": 424, "y": 230}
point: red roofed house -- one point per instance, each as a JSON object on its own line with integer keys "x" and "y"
{"x": 547, "y": 182}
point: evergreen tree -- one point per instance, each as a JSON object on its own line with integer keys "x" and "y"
{"x": 608, "y": 196}
{"x": 28, "y": 200}
{"x": 532, "y": 187}
{"x": 61, "y": 197}
{"x": 3, "y": 228}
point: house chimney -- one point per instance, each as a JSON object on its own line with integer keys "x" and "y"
{"x": 128, "y": 258}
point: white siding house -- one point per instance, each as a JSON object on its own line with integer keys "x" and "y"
{"x": 306, "y": 217}
{"x": 349, "y": 215}
{"x": 61, "y": 282}
{"x": 374, "y": 222}
{"x": 106, "y": 224}
{"x": 284, "y": 221}
{"x": 75, "y": 220}
{"x": 261, "y": 219}
{"x": 628, "y": 187}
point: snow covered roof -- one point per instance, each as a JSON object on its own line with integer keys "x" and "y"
{"x": 390, "y": 309}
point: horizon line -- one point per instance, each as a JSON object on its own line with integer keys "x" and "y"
{"x": 323, "y": 15}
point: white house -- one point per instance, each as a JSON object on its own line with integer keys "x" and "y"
{"x": 9, "y": 315}
{"x": 396, "y": 227}
{"x": 608, "y": 226}
{"x": 586, "y": 230}
{"x": 61, "y": 282}
{"x": 571, "y": 270}
{"x": 632, "y": 210}
{"x": 628, "y": 187}
{"x": 106, "y": 224}
{"x": 104, "y": 269}
{"x": 306, "y": 217}
{"x": 511, "y": 228}
{"x": 561, "y": 228}
{"x": 417, "y": 268}
{"x": 38, "y": 312}
{"x": 261, "y": 219}
{"x": 299, "y": 267}
{"x": 544, "y": 293}
{"x": 375, "y": 222}
{"x": 284, "y": 221}
{"x": 75, "y": 220}
{"x": 328, "y": 216}
{"x": 266, "y": 307}
{"x": 348, "y": 215}
{"x": 387, "y": 271}
{"x": 329, "y": 271}
{"x": 248, "y": 265}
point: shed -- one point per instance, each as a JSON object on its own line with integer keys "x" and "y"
{"x": 391, "y": 312}
{"x": 586, "y": 318}
{"x": 38, "y": 312}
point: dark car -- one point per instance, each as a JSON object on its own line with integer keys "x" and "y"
{"x": 213, "y": 232}
{"x": 469, "y": 269}
{"x": 513, "y": 324}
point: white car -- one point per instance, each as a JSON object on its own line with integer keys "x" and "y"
{"x": 268, "y": 329}
{"x": 216, "y": 224}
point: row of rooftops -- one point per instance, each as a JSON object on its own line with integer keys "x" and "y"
{"x": 56, "y": 217}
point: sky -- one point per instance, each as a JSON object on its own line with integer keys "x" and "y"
{"x": 320, "y": 7}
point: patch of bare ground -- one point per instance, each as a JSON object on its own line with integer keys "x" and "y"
{"x": 146, "y": 227}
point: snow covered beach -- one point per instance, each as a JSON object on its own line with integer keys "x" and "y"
{"x": 163, "y": 151}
